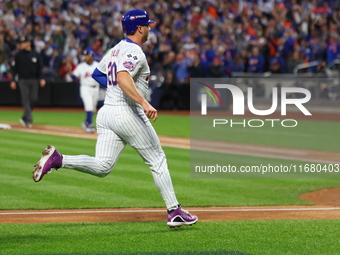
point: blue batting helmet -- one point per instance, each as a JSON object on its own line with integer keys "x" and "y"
{"x": 88, "y": 51}
{"x": 134, "y": 18}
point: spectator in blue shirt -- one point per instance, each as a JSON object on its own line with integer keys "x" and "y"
{"x": 237, "y": 63}
{"x": 181, "y": 69}
{"x": 256, "y": 61}
{"x": 332, "y": 49}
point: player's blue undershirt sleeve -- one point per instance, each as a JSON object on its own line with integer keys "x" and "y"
{"x": 99, "y": 77}
{"x": 74, "y": 77}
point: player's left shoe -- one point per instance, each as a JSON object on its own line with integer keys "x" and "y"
{"x": 181, "y": 217}
{"x": 50, "y": 159}
{"x": 88, "y": 128}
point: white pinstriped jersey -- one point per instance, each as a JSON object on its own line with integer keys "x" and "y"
{"x": 125, "y": 56}
{"x": 84, "y": 72}
{"x": 121, "y": 121}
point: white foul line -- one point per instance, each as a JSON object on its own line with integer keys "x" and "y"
{"x": 192, "y": 210}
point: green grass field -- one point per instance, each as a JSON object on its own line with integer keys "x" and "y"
{"x": 234, "y": 238}
{"x": 130, "y": 185}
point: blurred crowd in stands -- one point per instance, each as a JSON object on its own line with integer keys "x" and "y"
{"x": 203, "y": 38}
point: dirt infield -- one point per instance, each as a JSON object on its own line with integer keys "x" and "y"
{"x": 159, "y": 214}
{"x": 327, "y": 200}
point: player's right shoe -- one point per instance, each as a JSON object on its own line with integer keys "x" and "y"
{"x": 50, "y": 159}
{"x": 179, "y": 217}
{"x": 24, "y": 123}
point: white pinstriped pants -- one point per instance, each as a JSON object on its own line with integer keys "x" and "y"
{"x": 116, "y": 127}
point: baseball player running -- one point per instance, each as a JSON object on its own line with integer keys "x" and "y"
{"x": 124, "y": 119}
{"x": 89, "y": 88}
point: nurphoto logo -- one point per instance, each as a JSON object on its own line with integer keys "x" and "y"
{"x": 213, "y": 95}
{"x": 239, "y": 104}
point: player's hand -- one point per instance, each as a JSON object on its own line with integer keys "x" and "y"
{"x": 42, "y": 83}
{"x": 150, "y": 112}
{"x": 13, "y": 85}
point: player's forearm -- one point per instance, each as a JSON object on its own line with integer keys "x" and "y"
{"x": 99, "y": 77}
{"x": 128, "y": 86}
